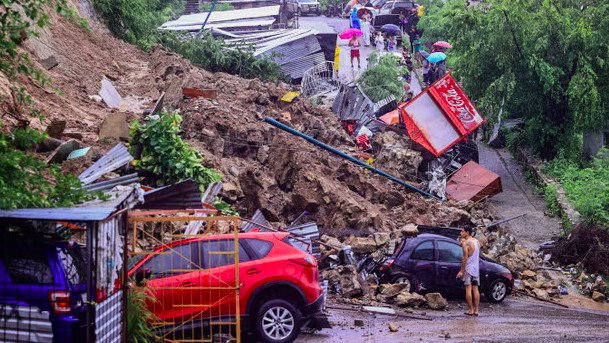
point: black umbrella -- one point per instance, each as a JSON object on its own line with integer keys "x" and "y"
{"x": 424, "y": 53}
{"x": 390, "y": 29}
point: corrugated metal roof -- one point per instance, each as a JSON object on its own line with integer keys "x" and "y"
{"x": 182, "y": 195}
{"x": 296, "y": 68}
{"x": 117, "y": 157}
{"x": 308, "y": 232}
{"x": 222, "y": 16}
{"x": 288, "y": 42}
{"x": 257, "y": 218}
{"x": 237, "y": 24}
{"x": 71, "y": 214}
{"x": 109, "y": 184}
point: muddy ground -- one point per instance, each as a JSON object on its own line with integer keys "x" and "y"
{"x": 514, "y": 320}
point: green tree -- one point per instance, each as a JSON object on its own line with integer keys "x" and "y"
{"x": 159, "y": 149}
{"x": 137, "y": 21}
{"x": 383, "y": 77}
{"x": 548, "y": 59}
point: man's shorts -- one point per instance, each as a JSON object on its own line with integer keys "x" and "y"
{"x": 470, "y": 280}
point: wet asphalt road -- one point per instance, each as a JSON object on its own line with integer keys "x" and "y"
{"x": 514, "y": 320}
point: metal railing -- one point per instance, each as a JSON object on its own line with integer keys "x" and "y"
{"x": 319, "y": 79}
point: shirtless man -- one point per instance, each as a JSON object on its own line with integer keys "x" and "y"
{"x": 470, "y": 270}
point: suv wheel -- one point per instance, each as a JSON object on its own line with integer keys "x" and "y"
{"x": 497, "y": 291}
{"x": 278, "y": 321}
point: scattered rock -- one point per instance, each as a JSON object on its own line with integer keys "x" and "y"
{"x": 541, "y": 294}
{"x": 56, "y": 128}
{"x": 115, "y": 126}
{"x": 436, "y": 301}
{"x": 528, "y": 274}
{"x": 409, "y": 230}
{"x": 393, "y": 327}
{"x": 598, "y": 296}
{"x": 358, "y": 322}
{"x": 409, "y": 299}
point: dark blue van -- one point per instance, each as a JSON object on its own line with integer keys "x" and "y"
{"x": 42, "y": 291}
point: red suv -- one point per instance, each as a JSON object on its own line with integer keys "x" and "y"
{"x": 279, "y": 284}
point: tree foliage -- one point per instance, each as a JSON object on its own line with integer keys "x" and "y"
{"x": 215, "y": 55}
{"x": 586, "y": 188}
{"x": 382, "y": 78}
{"x": 27, "y": 182}
{"x": 137, "y": 21}
{"x": 159, "y": 149}
{"x": 547, "y": 59}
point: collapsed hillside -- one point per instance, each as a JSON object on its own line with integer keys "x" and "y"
{"x": 263, "y": 168}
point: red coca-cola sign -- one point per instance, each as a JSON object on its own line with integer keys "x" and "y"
{"x": 440, "y": 116}
{"x": 456, "y": 104}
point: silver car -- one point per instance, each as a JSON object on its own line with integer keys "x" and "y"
{"x": 309, "y": 7}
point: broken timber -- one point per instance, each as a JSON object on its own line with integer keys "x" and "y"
{"x": 368, "y": 309}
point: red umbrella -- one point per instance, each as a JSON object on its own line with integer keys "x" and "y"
{"x": 349, "y": 33}
{"x": 362, "y": 11}
{"x": 443, "y": 44}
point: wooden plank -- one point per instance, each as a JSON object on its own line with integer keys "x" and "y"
{"x": 200, "y": 93}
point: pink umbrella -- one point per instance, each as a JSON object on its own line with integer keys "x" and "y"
{"x": 443, "y": 44}
{"x": 348, "y": 33}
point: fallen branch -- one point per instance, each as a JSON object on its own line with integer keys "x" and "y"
{"x": 540, "y": 299}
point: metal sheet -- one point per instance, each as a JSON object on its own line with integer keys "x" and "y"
{"x": 222, "y": 16}
{"x": 109, "y": 184}
{"x": 252, "y": 23}
{"x": 296, "y": 69}
{"x": 473, "y": 182}
{"x": 70, "y": 214}
{"x": 310, "y": 233}
{"x": 117, "y": 157}
{"x": 258, "y": 218}
{"x": 182, "y": 195}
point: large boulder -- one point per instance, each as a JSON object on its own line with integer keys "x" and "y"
{"x": 410, "y": 299}
{"x": 349, "y": 282}
{"x": 381, "y": 238}
{"x": 363, "y": 245}
{"x": 436, "y": 301}
{"x": 390, "y": 290}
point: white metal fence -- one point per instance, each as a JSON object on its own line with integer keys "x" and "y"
{"x": 319, "y": 79}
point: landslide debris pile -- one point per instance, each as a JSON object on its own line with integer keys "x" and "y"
{"x": 263, "y": 168}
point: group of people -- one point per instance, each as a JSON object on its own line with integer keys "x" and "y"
{"x": 412, "y": 45}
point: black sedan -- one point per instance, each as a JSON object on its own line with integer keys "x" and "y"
{"x": 430, "y": 263}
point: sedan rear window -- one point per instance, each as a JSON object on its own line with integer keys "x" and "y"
{"x": 423, "y": 251}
